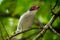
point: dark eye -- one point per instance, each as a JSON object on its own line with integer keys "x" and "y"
{"x": 34, "y": 8}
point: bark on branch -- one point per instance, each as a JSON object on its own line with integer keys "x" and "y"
{"x": 9, "y": 38}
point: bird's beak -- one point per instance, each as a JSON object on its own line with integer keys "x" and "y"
{"x": 38, "y": 7}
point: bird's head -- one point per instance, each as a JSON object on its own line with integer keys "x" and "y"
{"x": 34, "y": 8}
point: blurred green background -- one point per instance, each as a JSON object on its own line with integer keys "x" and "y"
{"x": 11, "y": 10}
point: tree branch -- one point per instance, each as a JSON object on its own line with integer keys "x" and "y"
{"x": 55, "y": 4}
{"x": 47, "y": 25}
{"x": 45, "y": 28}
{"x": 54, "y": 30}
{"x": 20, "y": 33}
{"x": 30, "y": 35}
{"x": 9, "y": 15}
{"x": 54, "y": 7}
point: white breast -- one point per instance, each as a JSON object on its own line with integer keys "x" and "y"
{"x": 26, "y": 21}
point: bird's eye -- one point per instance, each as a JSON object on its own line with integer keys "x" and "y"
{"x": 34, "y": 8}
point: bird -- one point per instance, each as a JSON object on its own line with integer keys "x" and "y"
{"x": 26, "y": 19}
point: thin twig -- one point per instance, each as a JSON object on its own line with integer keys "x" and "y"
{"x": 31, "y": 35}
{"x": 55, "y": 4}
{"x": 54, "y": 30}
{"x": 40, "y": 34}
{"x": 54, "y": 7}
{"x": 20, "y": 33}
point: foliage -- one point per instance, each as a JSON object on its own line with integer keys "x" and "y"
{"x": 10, "y": 10}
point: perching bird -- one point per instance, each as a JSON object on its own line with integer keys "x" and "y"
{"x": 27, "y": 19}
